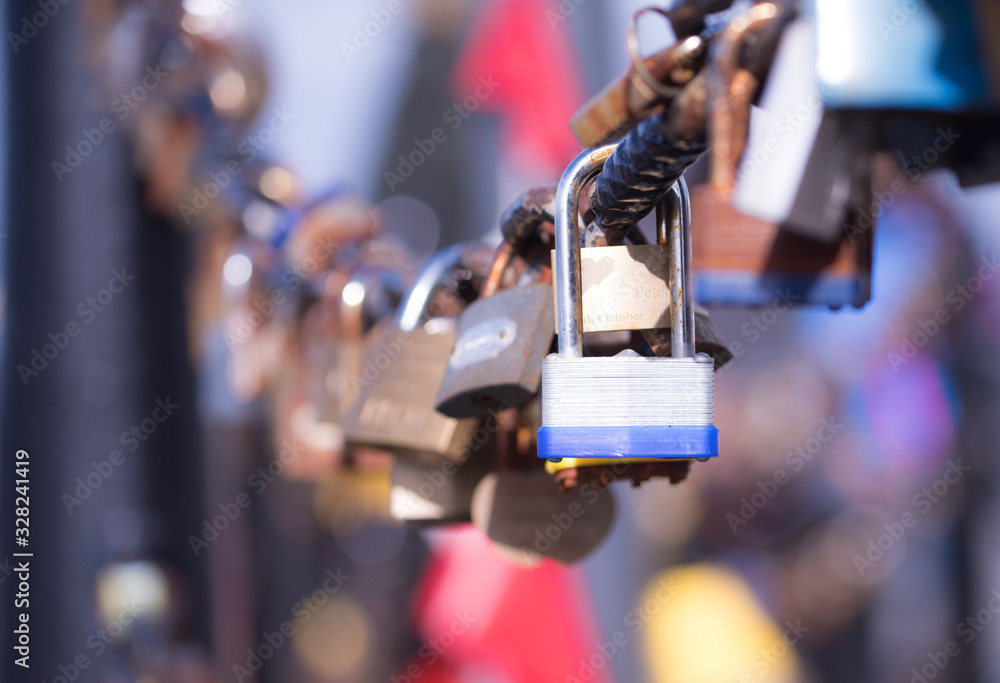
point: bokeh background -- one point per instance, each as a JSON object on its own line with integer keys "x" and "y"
{"x": 847, "y": 533}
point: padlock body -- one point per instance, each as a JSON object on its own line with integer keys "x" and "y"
{"x": 628, "y": 406}
{"x": 394, "y": 407}
{"x": 496, "y": 361}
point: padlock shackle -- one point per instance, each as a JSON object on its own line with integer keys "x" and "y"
{"x": 501, "y": 261}
{"x": 415, "y": 301}
{"x": 672, "y": 229}
{"x": 569, "y": 303}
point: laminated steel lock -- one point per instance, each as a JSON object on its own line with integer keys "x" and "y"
{"x": 502, "y": 338}
{"x": 625, "y": 406}
{"x": 394, "y": 409}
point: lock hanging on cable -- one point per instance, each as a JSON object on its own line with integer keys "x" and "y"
{"x": 623, "y": 407}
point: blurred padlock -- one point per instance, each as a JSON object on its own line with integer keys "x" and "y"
{"x": 438, "y": 492}
{"x": 527, "y": 517}
{"x": 253, "y": 321}
{"x": 502, "y": 337}
{"x": 407, "y": 358}
{"x": 626, "y": 408}
{"x": 743, "y": 260}
{"x": 802, "y": 169}
{"x": 311, "y": 403}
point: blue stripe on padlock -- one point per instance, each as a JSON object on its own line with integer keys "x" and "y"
{"x": 665, "y": 442}
{"x": 728, "y": 288}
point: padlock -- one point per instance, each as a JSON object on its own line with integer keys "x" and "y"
{"x": 625, "y": 407}
{"x": 516, "y": 509}
{"x": 745, "y": 260}
{"x": 436, "y": 493}
{"x": 394, "y": 409}
{"x": 502, "y": 337}
{"x": 443, "y": 492}
{"x": 253, "y": 322}
{"x": 310, "y": 403}
{"x": 801, "y": 168}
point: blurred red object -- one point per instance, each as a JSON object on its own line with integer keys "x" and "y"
{"x": 522, "y": 50}
{"x": 479, "y": 611}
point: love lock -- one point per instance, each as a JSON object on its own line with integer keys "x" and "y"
{"x": 646, "y": 414}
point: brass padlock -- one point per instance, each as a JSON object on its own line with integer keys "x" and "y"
{"x": 624, "y": 287}
{"x": 407, "y": 357}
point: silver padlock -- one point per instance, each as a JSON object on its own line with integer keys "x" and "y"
{"x": 625, "y": 406}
